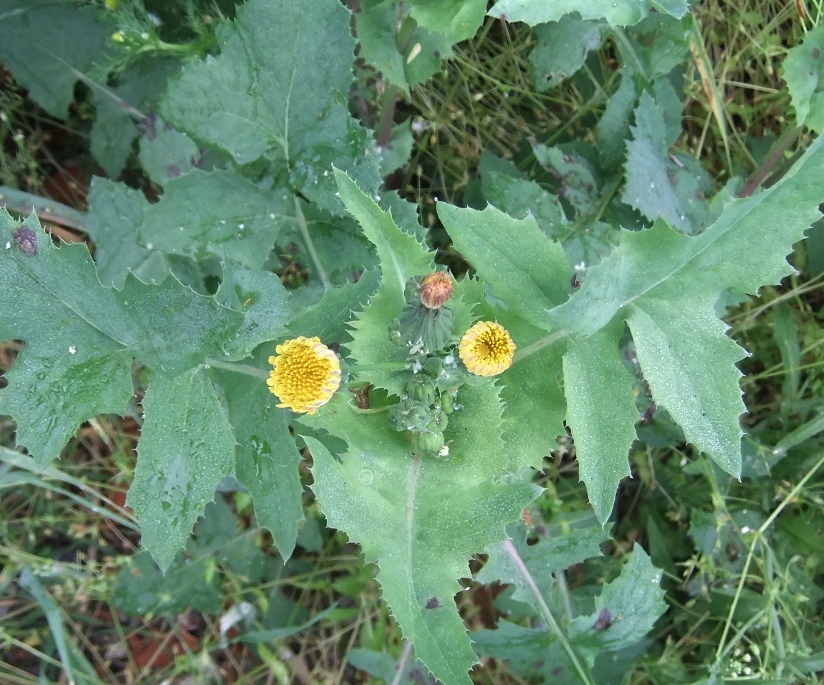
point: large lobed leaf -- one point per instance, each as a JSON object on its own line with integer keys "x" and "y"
{"x": 418, "y": 518}
{"x": 278, "y": 87}
{"x": 665, "y": 286}
{"x": 81, "y": 337}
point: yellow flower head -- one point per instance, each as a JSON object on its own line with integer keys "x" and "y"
{"x": 486, "y": 349}
{"x": 306, "y": 374}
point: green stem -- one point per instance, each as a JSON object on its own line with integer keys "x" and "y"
{"x": 546, "y": 614}
{"x": 304, "y": 231}
{"x": 539, "y": 345}
{"x": 774, "y": 156}
{"x": 47, "y": 209}
{"x": 627, "y": 51}
{"x": 234, "y": 367}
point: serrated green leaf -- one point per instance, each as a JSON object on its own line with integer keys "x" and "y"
{"x": 578, "y": 184}
{"x": 266, "y": 459}
{"x": 217, "y": 213}
{"x": 694, "y": 376}
{"x": 633, "y": 602}
{"x": 329, "y": 317}
{"x": 803, "y": 70}
{"x": 527, "y": 271}
{"x": 142, "y": 589}
{"x": 668, "y": 283}
{"x": 186, "y": 448}
{"x": 166, "y": 153}
{"x": 659, "y": 44}
{"x": 138, "y": 89}
{"x": 339, "y": 244}
{"x": 114, "y": 221}
{"x": 532, "y": 12}
{"x": 601, "y": 413}
{"x": 547, "y": 557}
{"x": 562, "y": 49}
{"x": 409, "y": 514}
{"x": 401, "y": 257}
{"x": 280, "y": 79}
{"x": 40, "y": 48}
{"x": 265, "y": 302}
{"x": 649, "y": 187}
{"x": 584, "y": 241}
{"x": 613, "y": 126}
{"x": 535, "y": 654}
{"x": 376, "y": 27}
{"x": 530, "y": 653}
{"x": 457, "y": 19}
{"x": 81, "y": 337}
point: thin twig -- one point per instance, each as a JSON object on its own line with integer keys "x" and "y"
{"x": 401, "y": 667}
{"x": 244, "y": 369}
{"x": 304, "y": 231}
{"x": 779, "y": 147}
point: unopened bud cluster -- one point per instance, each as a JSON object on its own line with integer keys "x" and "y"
{"x": 423, "y": 412}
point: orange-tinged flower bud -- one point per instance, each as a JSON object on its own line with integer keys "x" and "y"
{"x": 436, "y": 289}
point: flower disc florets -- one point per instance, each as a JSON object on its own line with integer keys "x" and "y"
{"x": 486, "y": 349}
{"x": 306, "y": 374}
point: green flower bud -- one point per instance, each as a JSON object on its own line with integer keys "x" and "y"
{"x": 447, "y": 403}
{"x": 409, "y": 415}
{"x": 427, "y": 443}
{"x": 432, "y": 327}
{"x": 438, "y": 421}
{"x": 422, "y": 389}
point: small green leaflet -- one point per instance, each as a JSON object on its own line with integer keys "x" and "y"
{"x": 650, "y": 186}
{"x": 81, "y": 337}
{"x": 200, "y": 214}
{"x": 601, "y": 413}
{"x": 625, "y": 611}
{"x": 804, "y": 74}
{"x": 278, "y": 87}
{"x": 219, "y": 213}
{"x": 562, "y": 49}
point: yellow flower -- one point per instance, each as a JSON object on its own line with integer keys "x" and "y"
{"x": 306, "y": 374}
{"x": 486, "y": 349}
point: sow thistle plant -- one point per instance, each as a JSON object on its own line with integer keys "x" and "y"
{"x": 472, "y": 379}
